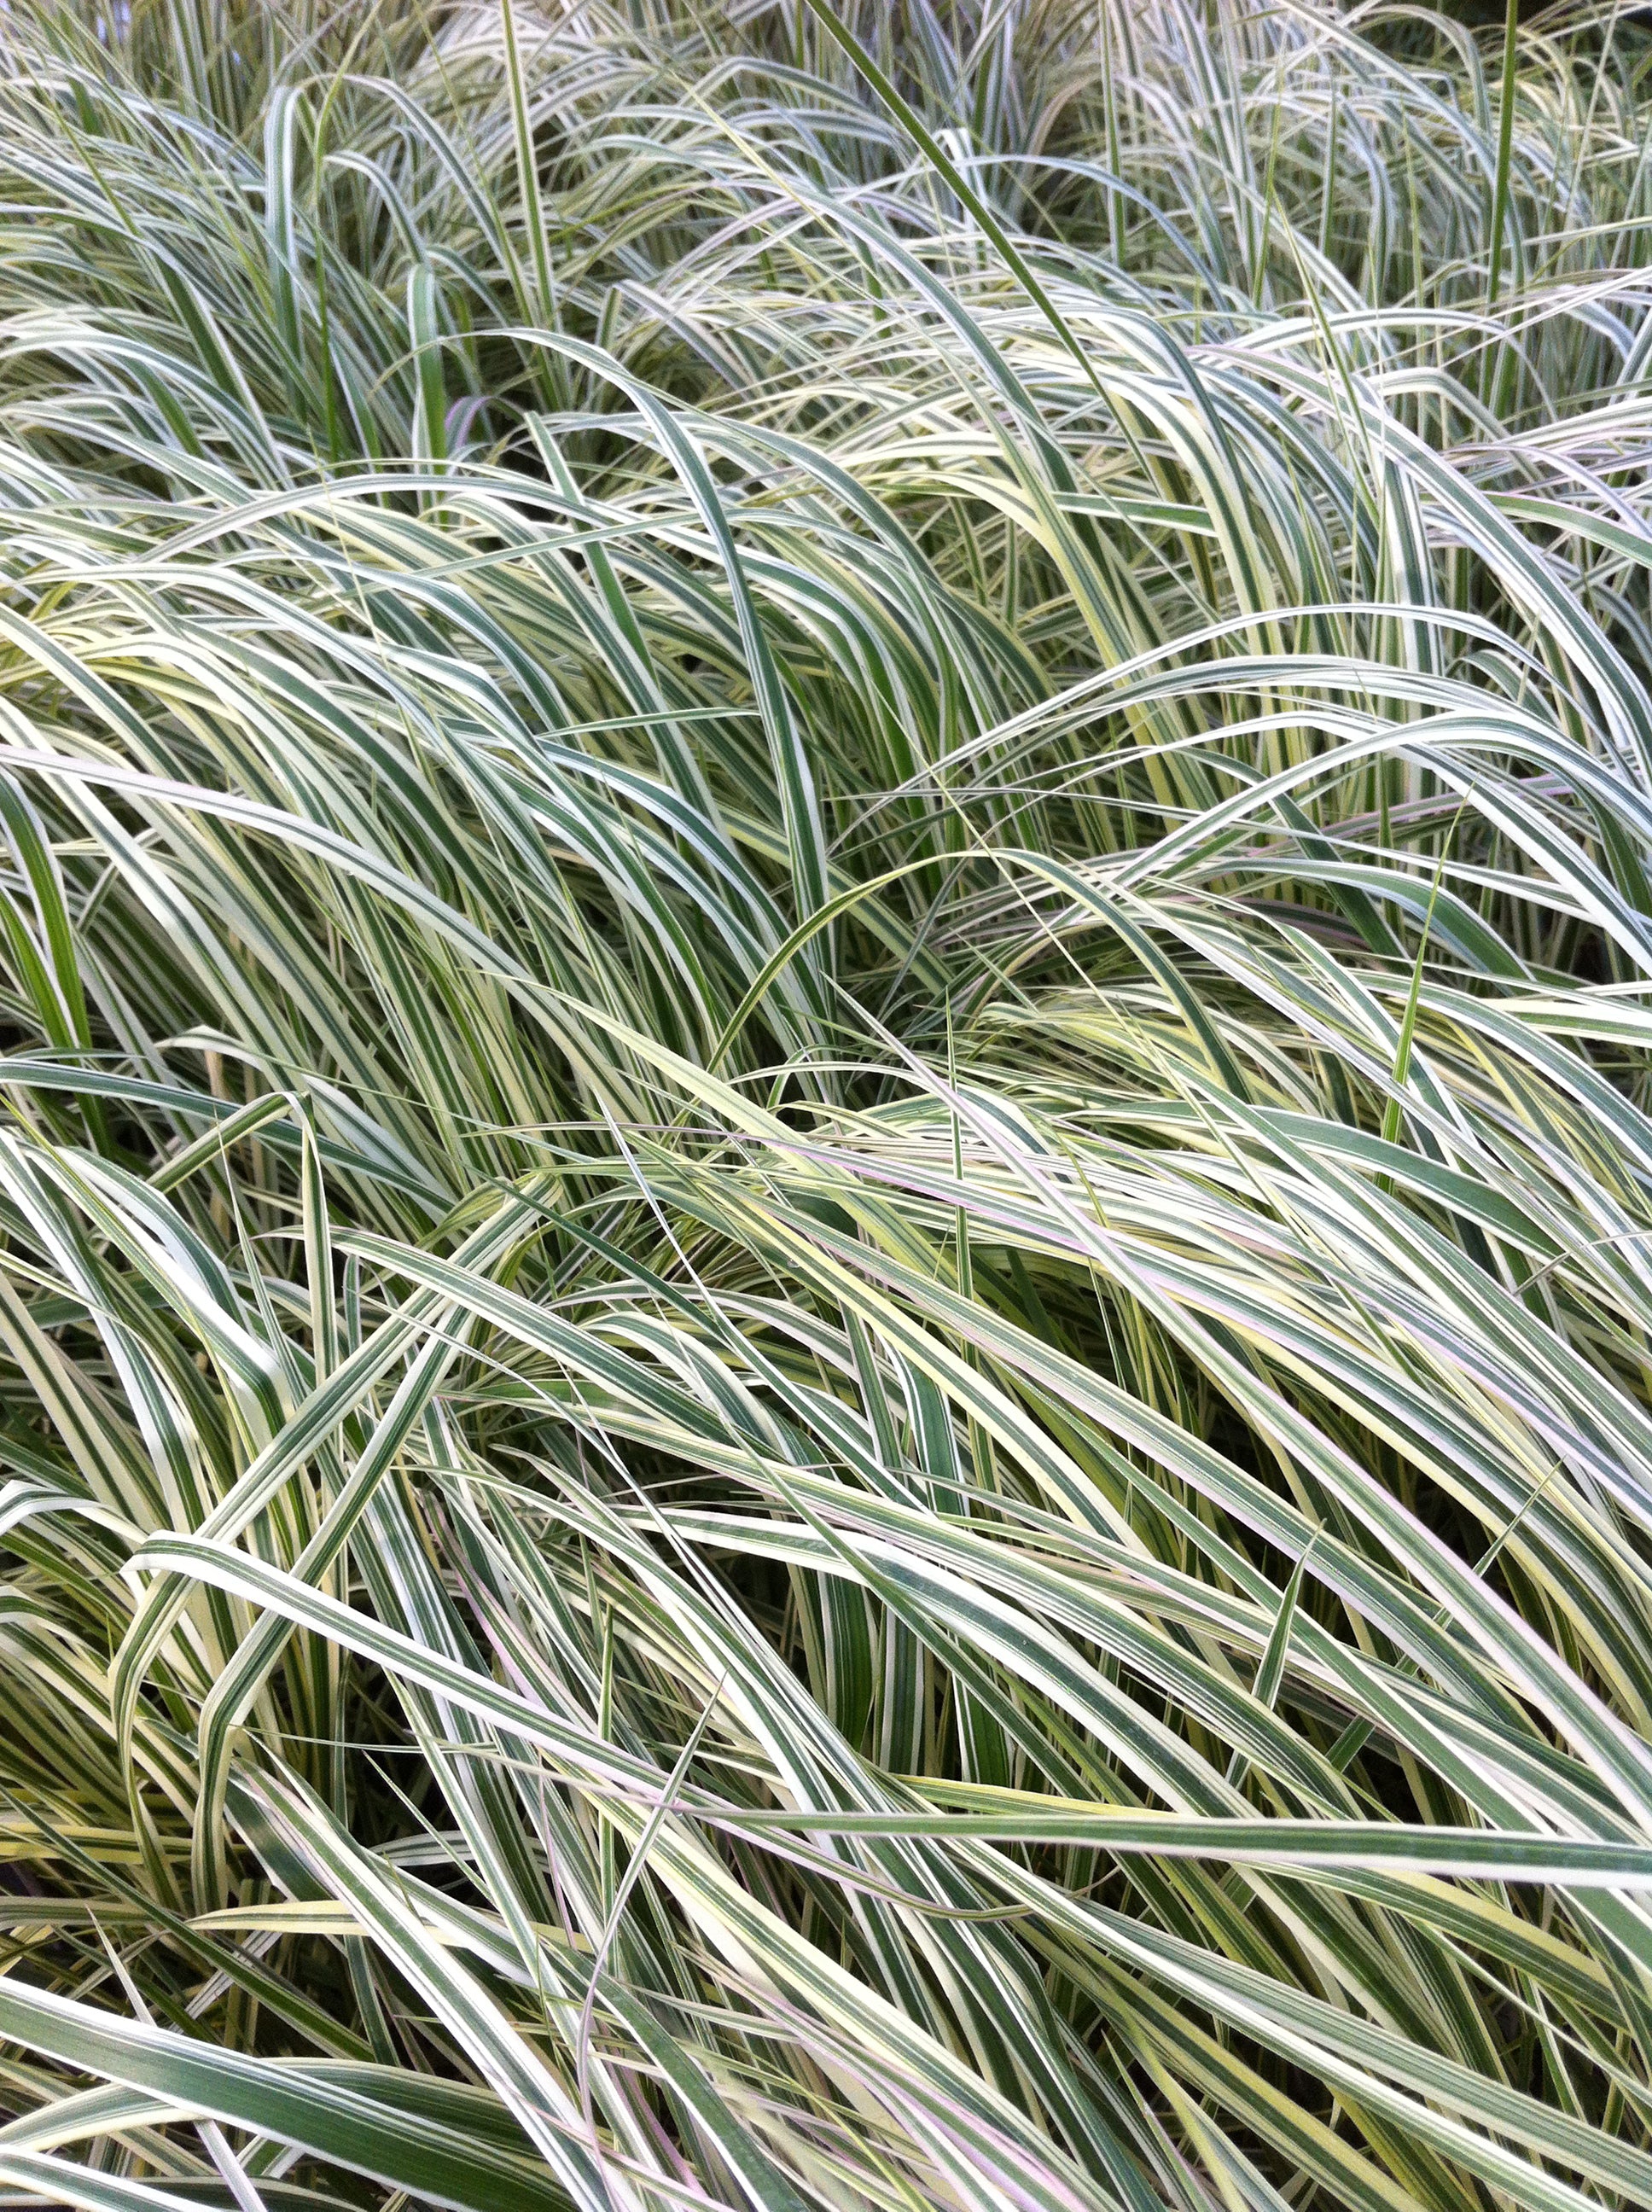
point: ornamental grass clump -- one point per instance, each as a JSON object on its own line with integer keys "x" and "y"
{"x": 826, "y": 1175}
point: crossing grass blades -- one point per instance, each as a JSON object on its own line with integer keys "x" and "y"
{"x": 826, "y": 1175}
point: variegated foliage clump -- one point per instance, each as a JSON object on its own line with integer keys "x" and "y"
{"x": 826, "y": 1179}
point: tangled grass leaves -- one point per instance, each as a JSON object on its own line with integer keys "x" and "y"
{"x": 826, "y": 1181}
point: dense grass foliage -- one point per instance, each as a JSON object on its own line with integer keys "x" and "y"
{"x": 826, "y": 1187}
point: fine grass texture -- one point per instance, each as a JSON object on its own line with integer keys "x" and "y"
{"x": 826, "y": 1181}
